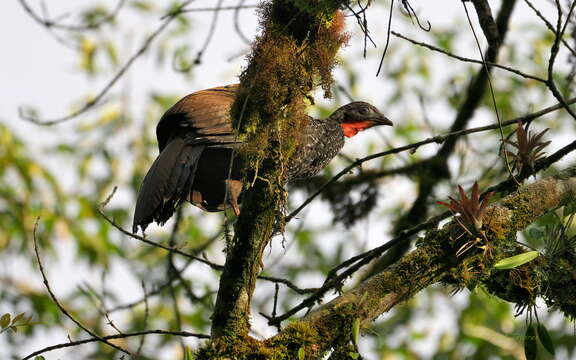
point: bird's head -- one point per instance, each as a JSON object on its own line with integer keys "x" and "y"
{"x": 358, "y": 116}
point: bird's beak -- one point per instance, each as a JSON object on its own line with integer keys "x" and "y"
{"x": 382, "y": 120}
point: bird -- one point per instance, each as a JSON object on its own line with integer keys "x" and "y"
{"x": 197, "y": 162}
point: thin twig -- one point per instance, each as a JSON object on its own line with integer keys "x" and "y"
{"x": 288, "y": 283}
{"x": 221, "y": 8}
{"x": 53, "y": 24}
{"x": 363, "y": 23}
{"x": 558, "y": 34}
{"x": 116, "y": 336}
{"x": 146, "y": 316}
{"x": 146, "y": 241}
{"x": 211, "y": 32}
{"x": 436, "y": 139}
{"x": 387, "y": 38}
{"x": 59, "y": 305}
{"x": 412, "y": 14}
{"x": 88, "y": 290}
{"x": 489, "y": 78}
{"x": 237, "y": 22}
{"x": 465, "y": 59}
{"x": 549, "y": 26}
{"x": 93, "y": 102}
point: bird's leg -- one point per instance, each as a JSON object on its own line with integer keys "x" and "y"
{"x": 233, "y": 190}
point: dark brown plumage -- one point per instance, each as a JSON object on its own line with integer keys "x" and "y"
{"x": 196, "y": 140}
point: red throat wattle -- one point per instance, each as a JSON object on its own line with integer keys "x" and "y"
{"x": 352, "y": 128}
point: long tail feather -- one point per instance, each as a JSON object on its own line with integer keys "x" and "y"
{"x": 167, "y": 183}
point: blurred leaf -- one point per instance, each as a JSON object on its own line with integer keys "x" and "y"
{"x": 112, "y": 53}
{"x": 517, "y": 260}
{"x": 530, "y": 346}
{"x": 188, "y": 354}
{"x": 164, "y": 101}
{"x": 88, "y": 51}
{"x": 301, "y": 354}
{"x": 95, "y": 15}
{"x": 5, "y": 320}
{"x": 356, "y": 330}
{"x": 142, "y": 5}
{"x": 545, "y": 339}
{"x": 17, "y": 318}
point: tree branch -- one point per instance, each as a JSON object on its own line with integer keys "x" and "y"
{"x": 437, "y": 169}
{"x": 62, "y": 308}
{"x": 24, "y": 114}
{"x": 299, "y": 47}
{"x": 115, "y": 336}
{"x": 439, "y": 139}
{"x": 434, "y": 260}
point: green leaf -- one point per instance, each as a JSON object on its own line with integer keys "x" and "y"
{"x": 570, "y": 209}
{"x": 17, "y": 318}
{"x": 354, "y": 355}
{"x": 39, "y": 358}
{"x": 88, "y": 49}
{"x": 530, "y": 348}
{"x": 65, "y": 148}
{"x": 515, "y": 261}
{"x": 545, "y": 339}
{"x": 5, "y": 320}
{"x": 188, "y": 354}
{"x": 536, "y": 233}
{"x": 301, "y": 353}
{"x": 112, "y": 53}
{"x": 144, "y": 6}
{"x": 356, "y": 330}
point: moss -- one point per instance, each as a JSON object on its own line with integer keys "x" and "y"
{"x": 296, "y": 336}
{"x": 285, "y": 346}
{"x": 294, "y": 53}
{"x": 519, "y": 285}
{"x": 317, "y": 8}
{"x": 269, "y": 110}
{"x": 497, "y": 221}
{"x": 561, "y": 283}
{"x": 244, "y": 349}
{"x": 528, "y": 203}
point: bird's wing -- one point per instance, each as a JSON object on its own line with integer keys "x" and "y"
{"x": 203, "y": 115}
{"x": 167, "y": 183}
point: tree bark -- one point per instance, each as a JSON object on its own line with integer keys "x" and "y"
{"x": 296, "y": 49}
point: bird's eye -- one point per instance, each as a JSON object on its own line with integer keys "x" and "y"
{"x": 363, "y": 111}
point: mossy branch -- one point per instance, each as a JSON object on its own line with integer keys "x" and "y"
{"x": 435, "y": 260}
{"x": 294, "y": 53}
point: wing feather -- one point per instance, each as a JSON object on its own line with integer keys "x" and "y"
{"x": 205, "y": 113}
